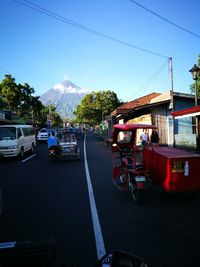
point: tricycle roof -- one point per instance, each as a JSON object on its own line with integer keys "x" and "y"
{"x": 133, "y": 126}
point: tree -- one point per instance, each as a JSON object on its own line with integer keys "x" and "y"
{"x": 56, "y": 120}
{"x": 192, "y": 86}
{"x": 95, "y": 106}
{"x": 19, "y": 98}
{"x": 16, "y": 97}
{"x": 27, "y": 101}
{"x": 53, "y": 116}
{"x": 10, "y": 93}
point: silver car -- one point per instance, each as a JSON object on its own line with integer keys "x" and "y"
{"x": 42, "y": 135}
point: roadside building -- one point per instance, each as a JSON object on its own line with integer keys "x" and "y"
{"x": 9, "y": 117}
{"x": 157, "y": 109}
{"x": 188, "y": 127}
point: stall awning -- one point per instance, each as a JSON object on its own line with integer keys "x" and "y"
{"x": 189, "y": 112}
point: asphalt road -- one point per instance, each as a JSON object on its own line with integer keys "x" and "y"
{"x": 50, "y": 199}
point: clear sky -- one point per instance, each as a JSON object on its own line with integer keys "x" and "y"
{"x": 43, "y": 50}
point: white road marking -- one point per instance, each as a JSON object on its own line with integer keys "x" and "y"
{"x": 95, "y": 218}
{"x": 28, "y": 158}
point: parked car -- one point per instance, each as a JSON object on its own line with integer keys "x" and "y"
{"x": 42, "y": 135}
{"x": 63, "y": 146}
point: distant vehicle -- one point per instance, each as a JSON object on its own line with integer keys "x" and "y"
{"x": 63, "y": 146}
{"x": 42, "y": 135}
{"x": 15, "y": 140}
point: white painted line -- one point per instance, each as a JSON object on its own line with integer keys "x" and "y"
{"x": 28, "y": 158}
{"x": 95, "y": 218}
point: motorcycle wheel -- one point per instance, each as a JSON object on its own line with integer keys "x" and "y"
{"x": 136, "y": 193}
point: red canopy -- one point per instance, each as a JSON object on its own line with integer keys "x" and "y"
{"x": 133, "y": 126}
{"x": 193, "y": 111}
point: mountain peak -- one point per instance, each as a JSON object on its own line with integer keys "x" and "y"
{"x": 68, "y": 87}
{"x": 65, "y": 96}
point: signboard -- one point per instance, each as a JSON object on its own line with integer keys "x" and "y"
{"x": 178, "y": 166}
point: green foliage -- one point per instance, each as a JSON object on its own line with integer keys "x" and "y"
{"x": 19, "y": 98}
{"x": 95, "y": 106}
{"x": 10, "y": 93}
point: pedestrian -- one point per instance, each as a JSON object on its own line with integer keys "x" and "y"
{"x": 154, "y": 138}
{"x": 144, "y": 137}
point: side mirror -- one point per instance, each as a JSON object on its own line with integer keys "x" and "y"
{"x": 121, "y": 259}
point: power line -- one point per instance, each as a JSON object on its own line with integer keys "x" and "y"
{"x": 49, "y": 13}
{"x": 166, "y": 20}
{"x": 151, "y": 79}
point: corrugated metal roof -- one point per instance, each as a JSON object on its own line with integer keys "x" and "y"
{"x": 148, "y": 101}
{"x": 134, "y": 103}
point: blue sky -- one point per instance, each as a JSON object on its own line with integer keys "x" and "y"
{"x": 43, "y": 51}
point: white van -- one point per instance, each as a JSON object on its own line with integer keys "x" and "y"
{"x": 15, "y": 140}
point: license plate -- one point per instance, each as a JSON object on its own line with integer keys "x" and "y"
{"x": 140, "y": 179}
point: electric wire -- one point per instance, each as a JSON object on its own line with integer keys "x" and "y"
{"x": 166, "y": 20}
{"x": 47, "y": 12}
{"x": 151, "y": 79}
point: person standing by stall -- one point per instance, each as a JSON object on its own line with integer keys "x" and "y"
{"x": 154, "y": 139}
{"x": 144, "y": 137}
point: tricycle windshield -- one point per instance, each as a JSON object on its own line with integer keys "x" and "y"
{"x": 124, "y": 137}
{"x": 127, "y": 135}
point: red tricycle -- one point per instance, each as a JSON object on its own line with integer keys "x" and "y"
{"x": 136, "y": 163}
{"x": 129, "y": 172}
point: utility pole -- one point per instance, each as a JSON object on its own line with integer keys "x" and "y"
{"x": 172, "y": 99}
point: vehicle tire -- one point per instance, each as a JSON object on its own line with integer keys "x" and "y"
{"x": 21, "y": 154}
{"x": 136, "y": 193}
{"x": 32, "y": 148}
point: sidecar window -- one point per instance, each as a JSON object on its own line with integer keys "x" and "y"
{"x": 124, "y": 137}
